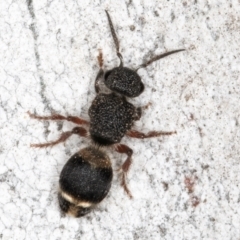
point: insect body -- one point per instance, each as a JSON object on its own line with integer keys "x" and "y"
{"x": 111, "y": 116}
{"x": 86, "y": 178}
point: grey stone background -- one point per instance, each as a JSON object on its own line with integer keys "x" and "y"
{"x": 185, "y": 186}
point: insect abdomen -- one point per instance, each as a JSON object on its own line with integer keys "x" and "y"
{"x": 84, "y": 181}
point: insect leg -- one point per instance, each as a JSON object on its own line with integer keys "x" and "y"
{"x": 82, "y": 132}
{"x": 56, "y": 117}
{"x": 100, "y": 72}
{"x": 137, "y": 134}
{"x": 121, "y": 148}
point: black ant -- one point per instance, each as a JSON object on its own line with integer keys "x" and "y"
{"x": 86, "y": 178}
